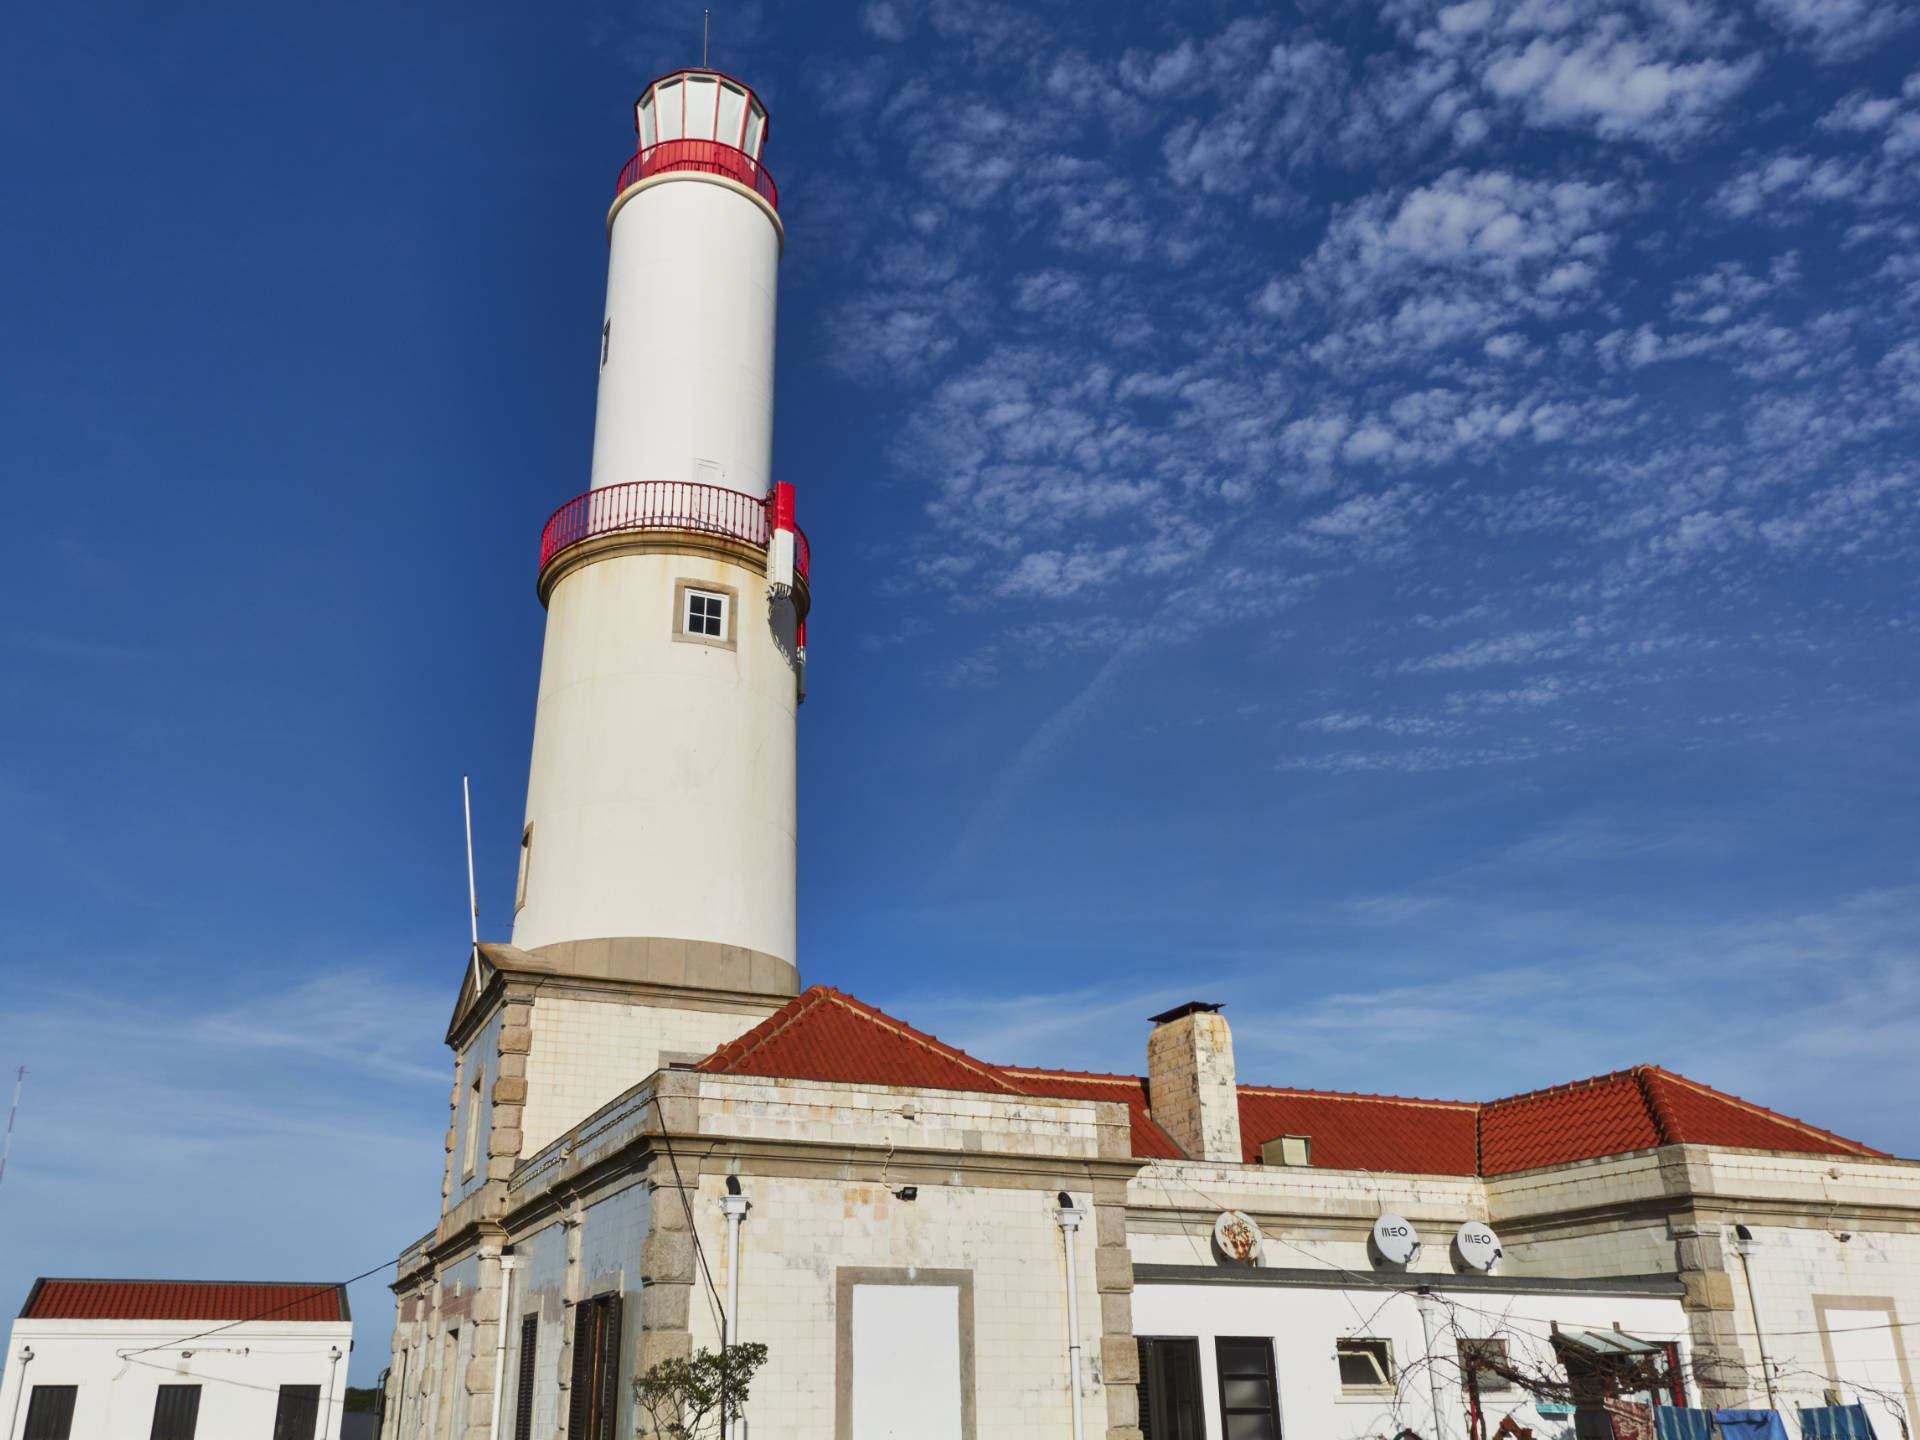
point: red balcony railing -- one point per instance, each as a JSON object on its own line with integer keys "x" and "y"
{"x": 666, "y": 505}
{"x": 710, "y": 157}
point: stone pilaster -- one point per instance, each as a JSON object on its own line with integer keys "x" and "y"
{"x": 1113, "y": 1277}
{"x": 1720, "y": 1361}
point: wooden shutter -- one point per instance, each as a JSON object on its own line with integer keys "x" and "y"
{"x": 176, "y": 1412}
{"x": 298, "y": 1415}
{"x": 608, "y": 1389}
{"x": 586, "y": 1317}
{"x": 523, "y": 1400}
{"x": 1170, "y": 1389}
{"x": 50, "y": 1412}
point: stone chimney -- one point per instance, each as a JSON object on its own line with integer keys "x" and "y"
{"x": 1190, "y": 1081}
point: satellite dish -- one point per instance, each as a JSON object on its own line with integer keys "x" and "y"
{"x": 1477, "y": 1246}
{"x": 1237, "y": 1236}
{"x": 1396, "y": 1240}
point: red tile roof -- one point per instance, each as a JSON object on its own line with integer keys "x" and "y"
{"x": 1362, "y": 1132}
{"x": 822, "y": 1034}
{"x": 183, "y": 1300}
{"x": 1635, "y": 1110}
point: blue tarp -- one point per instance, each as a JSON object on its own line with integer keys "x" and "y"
{"x": 1836, "y": 1422}
{"x": 1750, "y": 1424}
{"x": 1671, "y": 1422}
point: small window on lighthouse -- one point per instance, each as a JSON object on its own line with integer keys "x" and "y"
{"x": 706, "y": 613}
{"x": 606, "y": 343}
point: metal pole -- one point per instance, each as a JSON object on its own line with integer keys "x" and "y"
{"x": 473, "y": 903}
{"x": 6, "y": 1148}
{"x": 1423, "y": 1298}
{"x": 1068, "y": 1220}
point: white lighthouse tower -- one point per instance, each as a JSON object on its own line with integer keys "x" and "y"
{"x": 660, "y": 805}
{"x": 654, "y": 911}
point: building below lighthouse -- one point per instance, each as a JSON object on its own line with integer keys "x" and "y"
{"x": 660, "y": 1142}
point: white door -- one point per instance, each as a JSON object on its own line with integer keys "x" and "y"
{"x": 1867, "y": 1365}
{"x": 906, "y": 1362}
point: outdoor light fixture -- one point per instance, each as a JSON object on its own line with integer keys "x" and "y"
{"x": 733, "y": 1184}
{"x": 908, "y": 1192}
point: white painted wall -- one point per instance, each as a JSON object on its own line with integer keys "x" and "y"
{"x": 661, "y": 794}
{"x": 906, "y": 1362}
{"x": 1305, "y": 1323}
{"x": 691, "y": 284}
{"x": 240, "y": 1371}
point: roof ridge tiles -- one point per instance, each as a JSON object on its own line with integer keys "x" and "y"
{"x": 1039, "y": 1072}
{"x": 1566, "y": 1087}
{"x": 811, "y": 999}
{"x": 1358, "y": 1095}
{"x": 1774, "y": 1115}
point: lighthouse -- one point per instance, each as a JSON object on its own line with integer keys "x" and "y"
{"x": 661, "y": 801}
{"x": 654, "y": 909}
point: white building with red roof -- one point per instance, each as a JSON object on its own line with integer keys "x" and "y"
{"x": 659, "y": 1143}
{"x": 177, "y": 1360}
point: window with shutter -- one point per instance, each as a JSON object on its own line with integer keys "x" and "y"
{"x": 176, "y": 1412}
{"x": 1170, "y": 1389}
{"x": 523, "y": 1399}
{"x": 50, "y": 1412}
{"x": 298, "y": 1415}
{"x": 1249, "y": 1407}
{"x": 596, "y": 1369}
{"x": 609, "y": 1388}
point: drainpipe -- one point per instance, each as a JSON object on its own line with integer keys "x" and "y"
{"x": 734, "y": 1206}
{"x": 26, "y": 1359}
{"x": 326, "y": 1418}
{"x": 507, "y": 1263}
{"x": 1743, "y": 1247}
{"x": 1423, "y": 1298}
{"x": 1068, "y": 1219}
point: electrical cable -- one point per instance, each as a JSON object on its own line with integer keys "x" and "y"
{"x": 699, "y": 1251}
{"x": 264, "y": 1314}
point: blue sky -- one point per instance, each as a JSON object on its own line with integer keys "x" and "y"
{"x": 1399, "y": 518}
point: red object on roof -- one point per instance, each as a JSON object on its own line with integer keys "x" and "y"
{"x": 822, "y": 1034}
{"x": 184, "y": 1300}
{"x": 1362, "y": 1132}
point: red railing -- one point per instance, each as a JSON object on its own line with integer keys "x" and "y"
{"x": 666, "y": 505}
{"x": 710, "y": 157}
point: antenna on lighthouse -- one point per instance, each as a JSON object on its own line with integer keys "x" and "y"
{"x": 473, "y": 904}
{"x": 6, "y": 1148}
{"x": 705, "y": 16}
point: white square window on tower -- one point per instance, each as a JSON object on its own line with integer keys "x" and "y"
{"x": 706, "y": 613}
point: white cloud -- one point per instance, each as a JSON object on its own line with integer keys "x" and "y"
{"x": 1837, "y": 30}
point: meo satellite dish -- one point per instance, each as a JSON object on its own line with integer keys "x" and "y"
{"x": 1478, "y": 1246}
{"x": 1237, "y": 1236}
{"x": 1396, "y": 1240}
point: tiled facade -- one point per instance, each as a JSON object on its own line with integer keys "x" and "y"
{"x": 585, "y": 1051}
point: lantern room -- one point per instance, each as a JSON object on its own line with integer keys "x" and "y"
{"x": 701, "y": 105}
